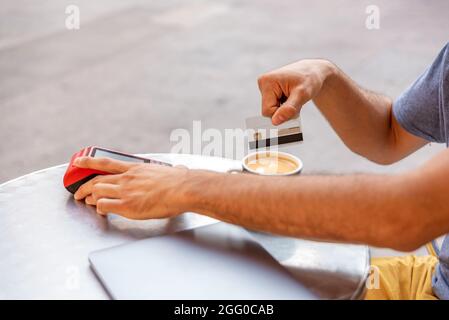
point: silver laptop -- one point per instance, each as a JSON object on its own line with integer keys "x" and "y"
{"x": 219, "y": 261}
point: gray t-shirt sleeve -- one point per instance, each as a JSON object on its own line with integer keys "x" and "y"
{"x": 423, "y": 109}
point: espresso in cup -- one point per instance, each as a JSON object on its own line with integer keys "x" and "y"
{"x": 272, "y": 163}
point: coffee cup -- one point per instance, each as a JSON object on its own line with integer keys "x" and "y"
{"x": 272, "y": 163}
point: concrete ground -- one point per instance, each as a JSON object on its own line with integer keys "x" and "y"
{"x": 136, "y": 70}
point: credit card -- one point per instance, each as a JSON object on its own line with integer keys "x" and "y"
{"x": 263, "y": 134}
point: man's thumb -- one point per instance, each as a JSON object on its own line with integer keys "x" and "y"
{"x": 285, "y": 112}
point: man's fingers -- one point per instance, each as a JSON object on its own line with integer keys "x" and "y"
{"x": 290, "y": 108}
{"x": 90, "y": 200}
{"x": 271, "y": 93}
{"x": 86, "y": 189}
{"x": 284, "y": 113}
{"x": 102, "y": 190}
{"x": 270, "y": 103}
{"x": 105, "y": 205}
{"x": 105, "y": 190}
{"x": 103, "y": 164}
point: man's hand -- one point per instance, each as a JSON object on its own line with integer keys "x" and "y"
{"x": 285, "y": 90}
{"x": 135, "y": 191}
{"x": 361, "y": 118}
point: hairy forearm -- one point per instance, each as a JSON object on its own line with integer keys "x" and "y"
{"x": 361, "y": 118}
{"x": 358, "y": 209}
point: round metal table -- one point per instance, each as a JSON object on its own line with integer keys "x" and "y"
{"x": 45, "y": 237}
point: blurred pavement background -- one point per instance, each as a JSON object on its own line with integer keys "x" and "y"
{"x": 138, "y": 69}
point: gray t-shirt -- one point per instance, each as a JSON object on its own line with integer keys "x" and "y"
{"x": 423, "y": 110}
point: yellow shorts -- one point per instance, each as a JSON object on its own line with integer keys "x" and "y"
{"x": 403, "y": 278}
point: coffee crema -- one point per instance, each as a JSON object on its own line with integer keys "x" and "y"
{"x": 271, "y": 164}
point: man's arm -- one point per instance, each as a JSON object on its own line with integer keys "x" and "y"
{"x": 397, "y": 211}
{"x": 362, "y": 119}
{"x": 401, "y": 212}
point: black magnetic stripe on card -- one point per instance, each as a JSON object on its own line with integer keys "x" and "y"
{"x": 275, "y": 141}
